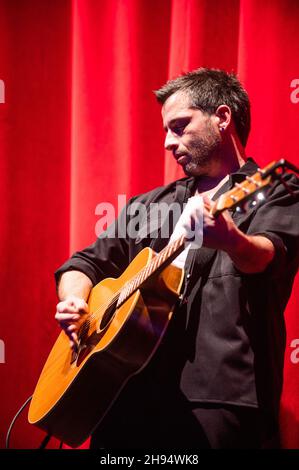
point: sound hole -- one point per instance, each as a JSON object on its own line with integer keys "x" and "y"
{"x": 108, "y": 315}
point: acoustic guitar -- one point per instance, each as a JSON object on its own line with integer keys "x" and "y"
{"x": 127, "y": 319}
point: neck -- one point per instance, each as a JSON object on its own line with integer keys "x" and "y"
{"x": 231, "y": 157}
{"x": 208, "y": 183}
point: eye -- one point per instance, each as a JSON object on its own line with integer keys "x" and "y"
{"x": 179, "y": 127}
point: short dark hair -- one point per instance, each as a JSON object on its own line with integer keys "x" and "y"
{"x": 210, "y": 88}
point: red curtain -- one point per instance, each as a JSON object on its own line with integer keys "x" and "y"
{"x": 79, "y": 125}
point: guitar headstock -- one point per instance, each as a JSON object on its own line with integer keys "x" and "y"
{"x": 251, "y": 185}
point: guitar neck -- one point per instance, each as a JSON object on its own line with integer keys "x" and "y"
{"x": 162, "y": 259}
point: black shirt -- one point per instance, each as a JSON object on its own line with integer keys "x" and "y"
{"x": 226, "y": 343}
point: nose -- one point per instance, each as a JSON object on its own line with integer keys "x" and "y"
{"x": 171, "y": 141}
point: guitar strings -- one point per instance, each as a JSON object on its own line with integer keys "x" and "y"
{"x": 152, "y": 266}
{"x": 129, "y": 288}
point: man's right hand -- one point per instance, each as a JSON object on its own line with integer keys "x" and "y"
{"x": 69, "y": 314}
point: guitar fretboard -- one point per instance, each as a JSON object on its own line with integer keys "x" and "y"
{"x": 164, "y": 257}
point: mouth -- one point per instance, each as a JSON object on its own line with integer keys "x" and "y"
{"x": 182, "y": 159}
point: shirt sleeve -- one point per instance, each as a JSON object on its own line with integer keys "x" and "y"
{"x": 278, "y": 220}
{"x": 108, "y": 256}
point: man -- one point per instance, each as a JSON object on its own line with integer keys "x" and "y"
{"x": 216, "y": 379}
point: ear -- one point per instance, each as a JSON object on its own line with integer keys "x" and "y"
{"x": 223, "y": 116}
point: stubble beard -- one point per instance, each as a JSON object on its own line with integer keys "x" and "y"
{"x": 205, "y": 152}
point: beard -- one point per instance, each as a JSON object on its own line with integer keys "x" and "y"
{"x": 203, "y": 152}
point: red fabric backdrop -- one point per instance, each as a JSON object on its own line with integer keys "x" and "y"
{"x": 79, "y": 125}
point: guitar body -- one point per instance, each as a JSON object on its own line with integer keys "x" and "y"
{"x": 76, "y": 390}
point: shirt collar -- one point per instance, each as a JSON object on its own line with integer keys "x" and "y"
{"x": 249, "y": 168}
{"x": 186, "y": 186}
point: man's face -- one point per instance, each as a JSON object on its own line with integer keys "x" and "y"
{"x": 192, "y": 136}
